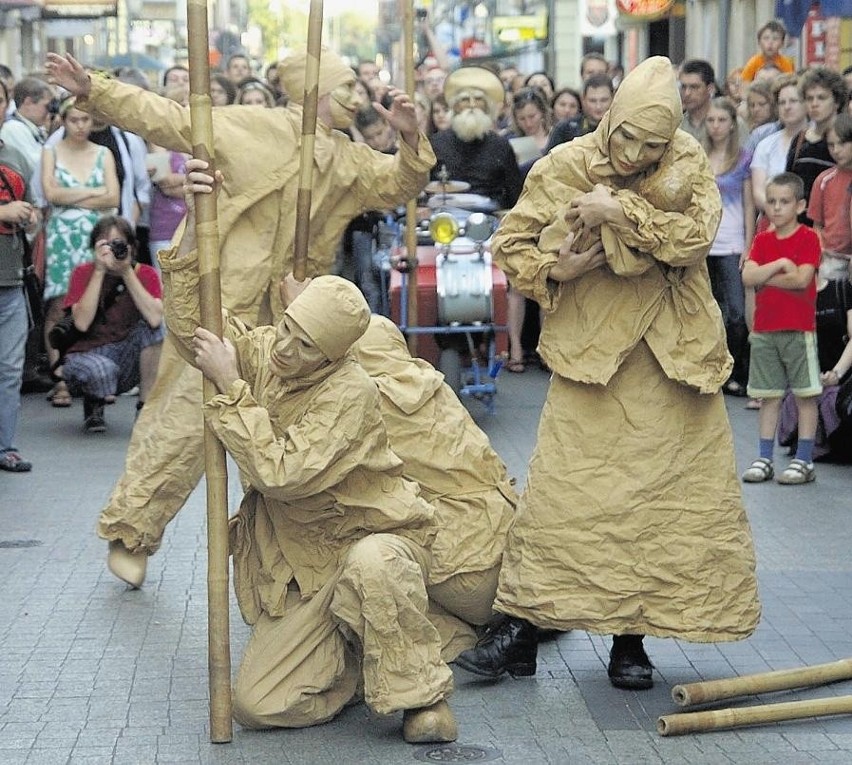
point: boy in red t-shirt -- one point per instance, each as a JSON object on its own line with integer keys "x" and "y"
{"x": 770, "y": 40}
{"x": 782, "y": 266}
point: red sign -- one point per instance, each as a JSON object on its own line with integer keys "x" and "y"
{"x": 473, "y": 48}
{"x": 646, "y": 10}
{"x": 815, "y": 38}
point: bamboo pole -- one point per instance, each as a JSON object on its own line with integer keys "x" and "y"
{"x": 411, "y": 206}
{"x": 309, "y": 132}
{"x": 698, "y": 722}
{"x": 762, "y": 682}
{"x": 215, "y": 466}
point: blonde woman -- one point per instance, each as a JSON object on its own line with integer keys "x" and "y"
{"x": 730, "y": 164}
{"x": 80, "y": 184}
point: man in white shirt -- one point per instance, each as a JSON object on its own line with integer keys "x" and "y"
{"x": 25, "y": 130}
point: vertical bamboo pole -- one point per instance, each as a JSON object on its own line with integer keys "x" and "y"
{"x": 411, "y": 207}
{"x": 309, "y": 131}
{"x": 207, "y": 235}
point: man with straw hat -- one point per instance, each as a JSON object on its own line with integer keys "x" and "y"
{"x": 470, "y": 150}
{"x": 258, "y": 152}
{"x": 331, "y": 546}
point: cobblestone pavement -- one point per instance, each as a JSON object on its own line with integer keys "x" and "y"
{"x": 91, "y": 672}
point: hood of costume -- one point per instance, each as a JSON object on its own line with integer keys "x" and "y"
{"x": 655, "y": 284}
{"x": 443, "y": 450}
{"x": 332, "y": 74}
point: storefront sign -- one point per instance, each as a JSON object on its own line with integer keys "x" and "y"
{"x": 78, "y": 9}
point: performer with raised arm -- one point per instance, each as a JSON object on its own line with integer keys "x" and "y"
{"x": 258, "y": 152}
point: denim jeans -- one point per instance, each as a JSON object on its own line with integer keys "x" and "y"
{"x": 727, "y": 285}
{"x": 13, "y": 338}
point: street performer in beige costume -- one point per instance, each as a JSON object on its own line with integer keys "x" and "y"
{"x": 446, "y": 453}
{"x": 331, "y": 545}
{"x": 257, "y": 150}
{"x": 632, "y": 521}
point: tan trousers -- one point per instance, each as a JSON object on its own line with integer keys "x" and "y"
{"x": 367, "y": 624}
{"x": 165, "y": 458}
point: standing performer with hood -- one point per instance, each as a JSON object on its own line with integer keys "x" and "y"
{"x": 258, "y": 153}
{"x": 632, "y": 521}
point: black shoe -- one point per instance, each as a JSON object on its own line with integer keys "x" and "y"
{"x": 629, "y": 665}
{"x": 93, "y": 414}
{"x": 510, "y": 645}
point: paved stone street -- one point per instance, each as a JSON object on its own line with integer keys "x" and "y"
{"x": 91, "y": 672}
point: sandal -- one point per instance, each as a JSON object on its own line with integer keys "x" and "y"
{"x": 733, "y": 388}
{"x": 12, "y": 462}
{"x": 760, "y": 470}
{"x": 797, "y": 472}
{"x": 754, "y": 404}
{"x": 60, "y": 396}
{"x": 517, "y": 367}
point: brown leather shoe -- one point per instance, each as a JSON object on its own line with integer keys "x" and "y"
{"x": 430, "y": 724}
{"x": 128, "y": 566}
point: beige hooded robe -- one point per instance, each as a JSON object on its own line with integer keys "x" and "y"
{"x": 632, "y": 518}
{"x": 443, "y": 450}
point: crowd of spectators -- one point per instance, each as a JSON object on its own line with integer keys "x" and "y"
{"x": 763, "y": 119}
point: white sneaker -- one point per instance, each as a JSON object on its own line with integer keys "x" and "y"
{"x": 759, "y": 471}
{"x": 798, "y": 471}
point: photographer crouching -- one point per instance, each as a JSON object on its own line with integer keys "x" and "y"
{"x": 111, "y": 337}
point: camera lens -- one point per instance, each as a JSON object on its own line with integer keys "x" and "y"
{"x": 119, "y": 248}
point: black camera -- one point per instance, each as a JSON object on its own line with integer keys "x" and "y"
{"x": 53, "y": 106}
{"x": 421, "y": 14}
{"x": 119, "y": 248}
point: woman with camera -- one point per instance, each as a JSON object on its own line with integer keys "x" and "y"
{"x": 80, "y": 183}
{"x": 113, "y": 331}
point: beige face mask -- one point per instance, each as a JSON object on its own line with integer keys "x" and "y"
{"x": 344, "y": 102}
{"x": 294, "y": 353}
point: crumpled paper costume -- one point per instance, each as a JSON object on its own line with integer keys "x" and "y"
{"x": 257, "y": 151}
{"x": 331, "y": 543}
{"x": 459, "y": 473}
{"x": 632, "y": 519}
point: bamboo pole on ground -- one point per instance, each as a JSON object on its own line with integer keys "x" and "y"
{"x": 411, "y": 206}
{"x": 309, "y": 132}
{"x": 762, "y": 682}
{"x": 215, "y": 466}
{"x": 699, "y": 722}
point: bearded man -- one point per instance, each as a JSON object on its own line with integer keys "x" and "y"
{"x": 258, "y": 152}
{"x": 469, "y": 149}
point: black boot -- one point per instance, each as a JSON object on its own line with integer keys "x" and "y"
{"x": 629, "y": 665}
{"x": 510, "y": 645}
{"x": 93, "y": 415}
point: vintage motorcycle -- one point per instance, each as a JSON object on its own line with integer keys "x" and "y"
{"x": 461, "y": 296}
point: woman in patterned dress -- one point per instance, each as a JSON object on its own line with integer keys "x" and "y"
{"x": 80, "y": 184}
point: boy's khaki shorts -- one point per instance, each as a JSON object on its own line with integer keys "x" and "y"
{"x": 781, "y": 360}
